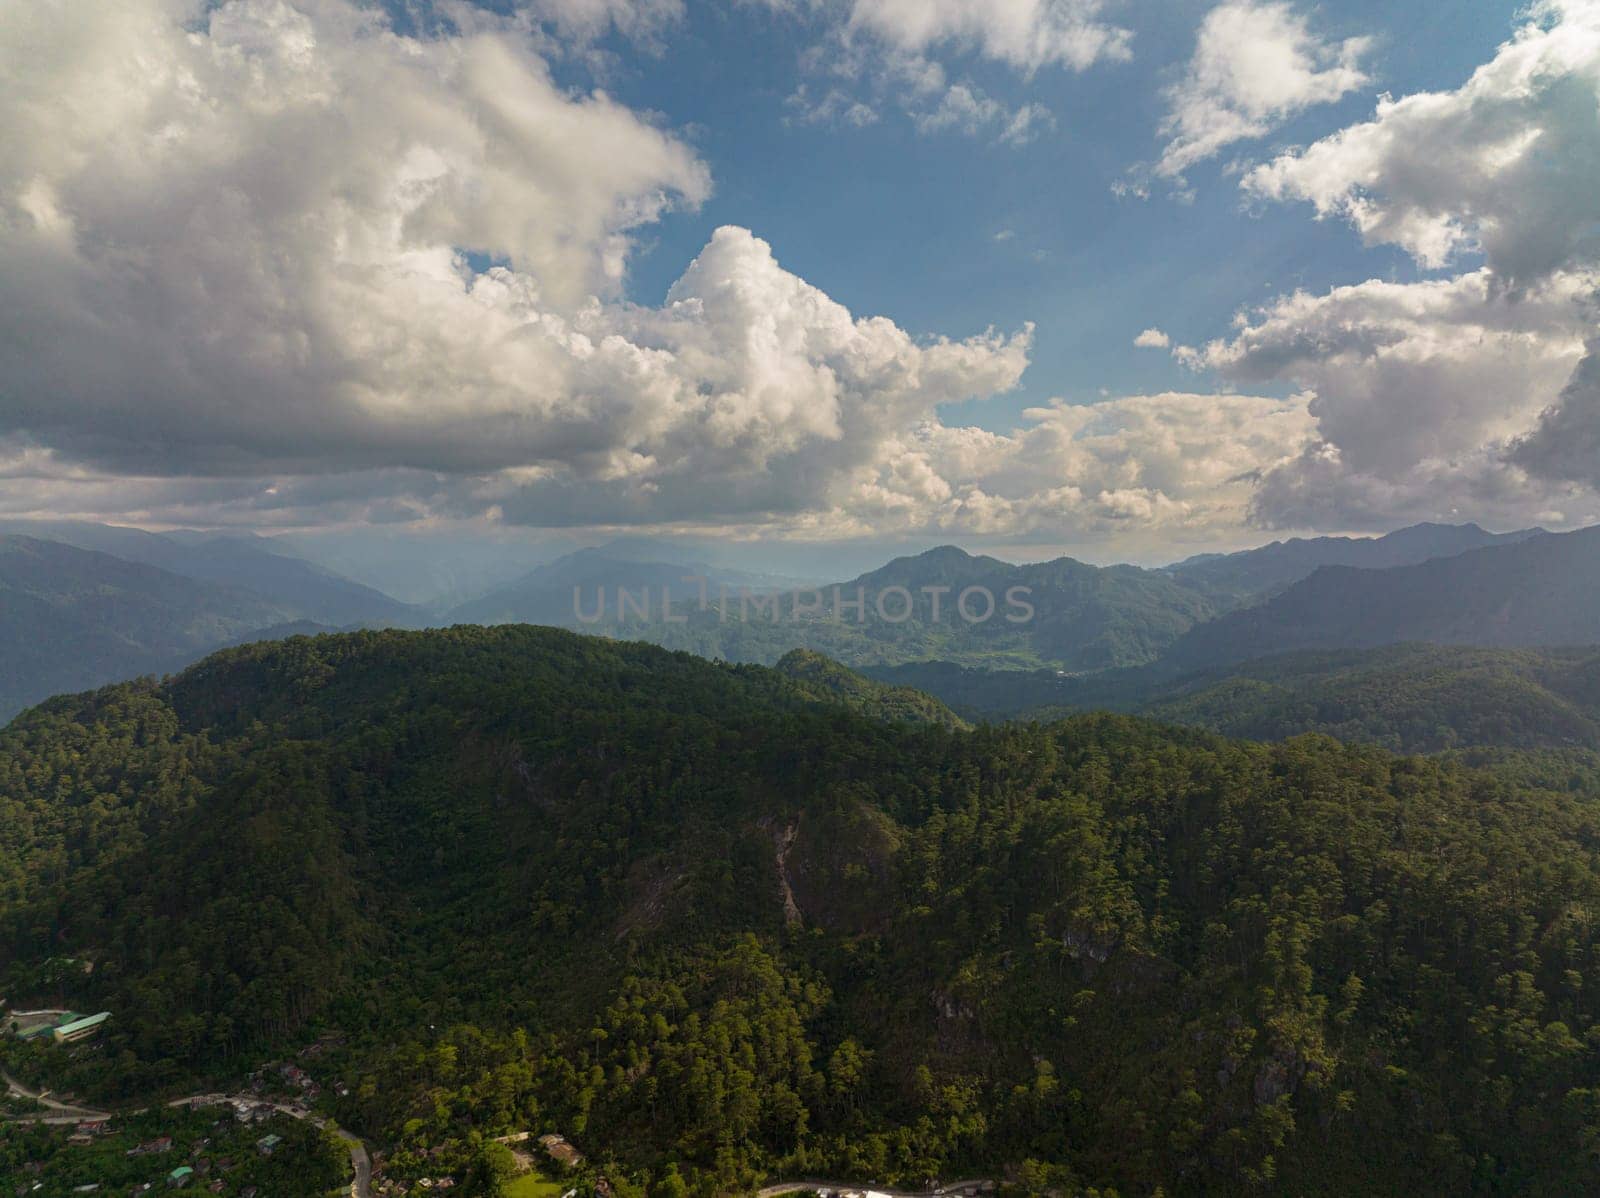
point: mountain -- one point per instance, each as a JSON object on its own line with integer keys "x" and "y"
{"x": 302, "y": 590}
{"x": 308, "y": 590}
{"x": 1406, "y": 698}
{"x": 717, "y": 933}
{"x": 826, "y": 681}
{"x": 1062, "y": 613}
{"x": 1410, "y": 698}
{"x": 1540, "y": 591}
{"x": 545, "y": 595}
{"x": 1258, "y": 572}
{"x": 71, "y": 619}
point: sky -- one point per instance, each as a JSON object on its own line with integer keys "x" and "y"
{"x": 1129, "y": 280}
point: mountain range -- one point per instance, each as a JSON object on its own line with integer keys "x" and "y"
{"x": 1430, "y": 583}
{"x": 1537, "y": 591}
{"x": 718, "y": 929}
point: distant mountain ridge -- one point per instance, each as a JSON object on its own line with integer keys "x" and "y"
{"x": 302, "y": 589}
{"x": 1538, "y": 591}
{"x": 1255, "y": 572}
{"x": 1410, "y": 698}
{"x": 71, "y": 619}
{"x": 545, "y": 594}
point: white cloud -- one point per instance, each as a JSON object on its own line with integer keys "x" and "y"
{"x": 1146, "y": 461}
{"x": 892, "y": 54}
{"x": 1254, "y": 66}
{"x": 1152, "y": 339}
{"x": 191, "y": 333}
{"x": 178, "y": 303}
{"x": 587, "y": 20}
{"x": 967, "y": 109}
{"x": 833, "y": 107}
{"x": 1469, "y": 394}
{"x": 1025, "y": 34}
{"x": 1505, "y": 164}
{"x": 1415, "y": 385}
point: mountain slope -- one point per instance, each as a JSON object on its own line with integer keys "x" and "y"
{"x": 1535, "y": 592}
{"x": 300, "y": 589}
{"x": 826, "y": 681}
{"x": 1254, "y": 573}
{"x": 545, "y": 595}
{"x": 1411, "y": 698}
{"x": 1062, "y": 613}
{"x": 706, "y": 926}
{"x": 71, "y": 619}
{"x": 1407, "y": 698}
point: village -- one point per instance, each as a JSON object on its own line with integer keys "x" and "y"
{"x": 215, "y": 1137}
{"x": 227, "y": 1143}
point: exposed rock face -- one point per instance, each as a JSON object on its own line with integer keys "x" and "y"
{"x": 785, "y": 845}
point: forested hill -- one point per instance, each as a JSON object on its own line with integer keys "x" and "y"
{"x": 705, "y": 925}
{"x": 1409, "y": 698}
{"x": 1065, "y": 613}
{"x": 825, "y": 680}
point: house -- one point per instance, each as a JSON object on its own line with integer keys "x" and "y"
{"x": 180, "y": 1177}
{"x": 267, "y": 1144}
{"x": 79, "y": 1028}
{"x": 560, "y": 1151}
{"x": 91, "y": 1127}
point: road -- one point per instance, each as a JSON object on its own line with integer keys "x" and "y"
{"x": 362, "y": 1164}
{"x": 796, "y": 1187}
{"x": 360, "y": 1159}
{"x": 55, "y": 1112}
{"x": 60, "y": 1112}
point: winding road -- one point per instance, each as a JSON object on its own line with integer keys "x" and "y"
{"x": 798, "y": 1187}
{"x": 60, "y": 1112}
{"x": 54, "y": 1112}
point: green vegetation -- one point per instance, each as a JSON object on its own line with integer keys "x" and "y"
{"x": 826, "y": 681}
{"x": 715, "y": 931}
{"x": 1082, "y": 617}
{"x": 207, "y": 1140}
{"x": 1409, "y": 698}
{"x": 533, "y": 1185}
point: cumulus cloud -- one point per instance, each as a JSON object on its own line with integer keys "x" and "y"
{"x": 1254, "y": 66}
{"x": 1152, "y": 339}
{"x": 288, "y": 243}
{"x": 1144, "y": 461}
{"x": 1471, "y": 393}
{"x": 1415, "y": 386}
{"x": 273, "y": 263}
{"x": 1565, "y": 444}
{"x": 1508, "y": 164}
{"x": 1024, "y": 34}
{"x": 896, "y": 53}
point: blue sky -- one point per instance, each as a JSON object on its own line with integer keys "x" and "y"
{"x": 890, "y": 220}
{"x": 803, "y": 272}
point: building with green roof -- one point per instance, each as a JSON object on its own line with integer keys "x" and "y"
{"x": 79, "y": 1027}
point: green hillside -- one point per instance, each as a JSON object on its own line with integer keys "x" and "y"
{"x": 717, "y": 932}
